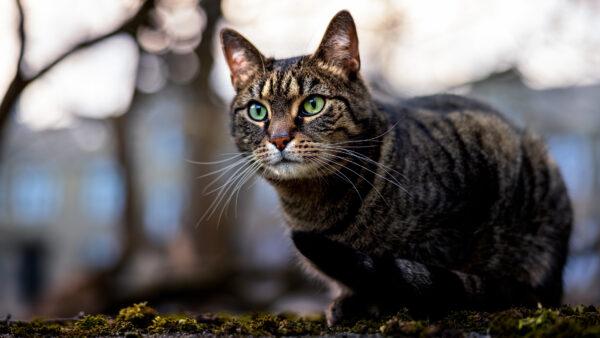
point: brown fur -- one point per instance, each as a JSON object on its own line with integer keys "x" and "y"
{"x": 434, "y": 199}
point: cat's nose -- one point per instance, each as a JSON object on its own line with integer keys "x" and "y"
{"x": 280, "y": 141}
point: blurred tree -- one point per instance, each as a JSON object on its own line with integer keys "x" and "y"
{"x": 95, "y": 286}
{"x": 211, "y": 239}
{"x": 212, "y": 236}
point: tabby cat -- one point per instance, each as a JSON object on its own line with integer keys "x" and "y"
{"x": 432, "y": 204}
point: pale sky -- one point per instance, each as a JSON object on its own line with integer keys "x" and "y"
{"x": 439, "y": 44}
{"x": 421, "y": 47}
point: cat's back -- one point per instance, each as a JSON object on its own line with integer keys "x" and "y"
{"x": 459, "y": 149}
{"x": 445, "y": 103}
{"x": 440, "y": 106}
{"x": 460, "y": 136}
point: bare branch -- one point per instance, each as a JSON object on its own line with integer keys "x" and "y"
{"x": 21, "y": 36}
{"x": 19, "y": 83}
{"x": 129, "y": 26}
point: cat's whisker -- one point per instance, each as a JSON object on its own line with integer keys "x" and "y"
{"x": 229, "y": 183}
{"x": 345, "y": 149}
{"x": 320, "y": 175}
{"x": 370, "y": 139}
{"x": 226, "y": 168}
{"x": 388, "y": 170}
{"x": 243, "y": 178}
{"x": 394, "y": 182}
{"x": 222, "y": 191}
{"x": 344, "y": 143}
{"x": 245, "y": 162}
{"x": 368, "y": 159}
{"x": 253, "y": 183}
{"x": 335, "y": 146}
{"x": 359, "y": 147}
{"x": 359, "y": 175}
{"x": 223, "y": 170}
{"x": 338, "y": 173}
{"x": 236, "y": 191}
{"x": 235, "y": 155}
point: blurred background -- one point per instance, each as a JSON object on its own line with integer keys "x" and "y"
{"x": 107, "y": 104}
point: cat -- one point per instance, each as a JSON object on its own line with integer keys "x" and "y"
{"x": 431, "y": 203}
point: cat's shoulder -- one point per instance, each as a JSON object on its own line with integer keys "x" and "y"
{"x": 442, "y": 105}
{"x": 447, "y": 103}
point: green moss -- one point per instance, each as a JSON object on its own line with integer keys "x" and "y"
{"x": 140, "y": 315}
{"x": 292, "y": 325}
{"x": 21, "y": 329}
{"x": 264, "y": 324}
{"x": 543, "y": 322}
{"x": 91, "y": 323}
{"x": 160, "y": 325}
{"x": 139, "y": 319}
{"x": 285, "y": 324}
{"x": 366, "y": 326}
{"x": 171, "y": 324}
{"x": 120, "y": 326}
{"x": 261, "y": 325}
{"x": 36, "y": 327}
{"x": 399, "y": 326}
{"x": 542, "y": 318}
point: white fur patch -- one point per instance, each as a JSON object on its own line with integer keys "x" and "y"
{"x": 291, "y": 169}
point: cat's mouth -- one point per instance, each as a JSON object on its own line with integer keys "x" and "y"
{"x": 287, "y": 162}
{"x": 283, "y": 158}
{"x": 287, "y": 159}
{"x": 288, "y": 167}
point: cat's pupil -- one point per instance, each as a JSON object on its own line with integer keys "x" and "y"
{"x": 313, "y": 103}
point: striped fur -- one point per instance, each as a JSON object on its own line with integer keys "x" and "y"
{"x": 433, "y": 203}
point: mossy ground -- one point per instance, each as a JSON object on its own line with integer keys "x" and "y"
{"x": 140, "y": 319}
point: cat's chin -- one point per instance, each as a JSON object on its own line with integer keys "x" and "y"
{"x": 288, "y": 170}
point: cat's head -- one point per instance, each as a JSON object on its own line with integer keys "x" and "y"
{"x": 292, "y": 117}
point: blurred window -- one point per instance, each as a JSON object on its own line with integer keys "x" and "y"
{"x": 162, "y": 209}
{"x": 102, "y": 194}
{"x": 101, "y": 250}
{"x": 573, "y": 153}
{"x": 168, "y": 145}
{"x": 35, "y": 195}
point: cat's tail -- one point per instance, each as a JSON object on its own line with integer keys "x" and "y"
{"x": 419, "y": 287}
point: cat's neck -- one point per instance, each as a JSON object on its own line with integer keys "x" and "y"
{"x": 311, "y": 204}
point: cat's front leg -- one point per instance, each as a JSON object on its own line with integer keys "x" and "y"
{"x": 353, "y": 270}
{"x": 350, "y": 267}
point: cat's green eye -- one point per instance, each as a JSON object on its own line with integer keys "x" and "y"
{"x": 313, "y": 105}
{"x": 257, "y": 111}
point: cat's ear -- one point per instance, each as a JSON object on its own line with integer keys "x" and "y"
{"x": 339, "y": 45}
{"x": 241, "y": 56}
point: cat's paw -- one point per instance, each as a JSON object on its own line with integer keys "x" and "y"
{"x": 346, "y": 307}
